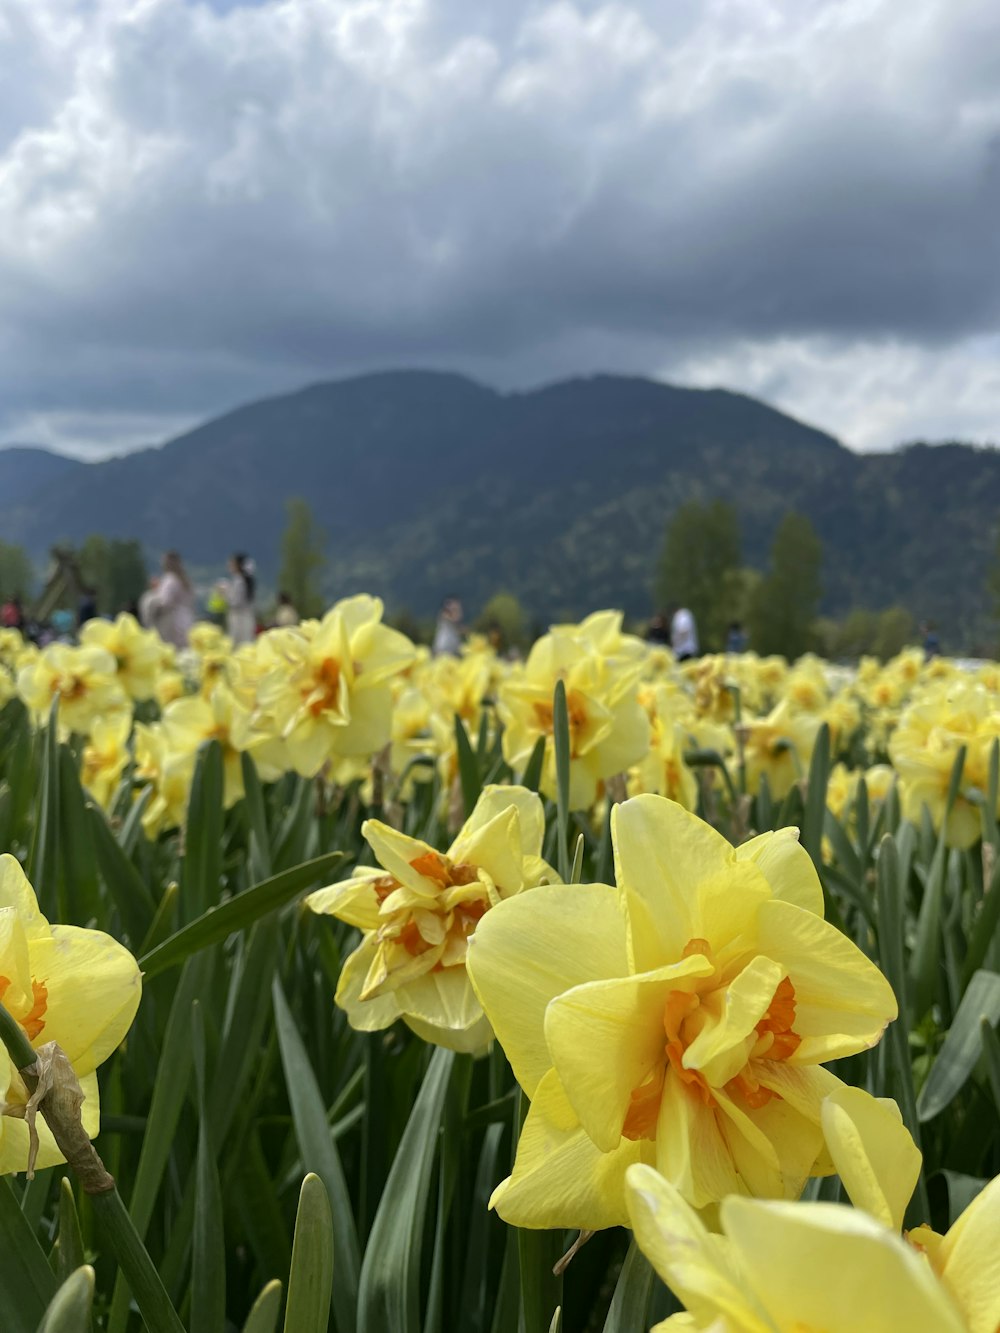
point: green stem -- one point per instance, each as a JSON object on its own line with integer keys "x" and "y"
{"x": 137, "y": 1267}
{"x": 13, "y": 1037}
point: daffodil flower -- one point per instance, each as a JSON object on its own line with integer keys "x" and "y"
{"x": 790, "y": 1267}
{"x": 608, "y": 729}
{"x": 681, "y": 1021}
{"x": 85, "y": 680}
{"x": 63, "y": 984}
{"x": 419, "y": 911}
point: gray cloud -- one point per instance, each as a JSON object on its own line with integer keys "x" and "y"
{"x": 200, "y": 204}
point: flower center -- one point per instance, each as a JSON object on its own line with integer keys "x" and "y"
{"x": 326, "y": 687}
{"x": 576, "y": 712}
{"x": 419, "y": 930}
{"x": 685, "y": 1014}
{"x": 34, "y": 1020}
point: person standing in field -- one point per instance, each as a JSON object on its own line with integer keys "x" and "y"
{"x": 448, "y": 634}
{"x": 170, "y": 605}
{"x": 286, "y": 613}
{"x": 239, "y": 590}
{"x": 683, "y": 634}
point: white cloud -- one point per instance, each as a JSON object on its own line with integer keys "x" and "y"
{"x": 200, "y": 205}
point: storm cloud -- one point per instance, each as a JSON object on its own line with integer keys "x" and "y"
{"x": 200, "y": 203}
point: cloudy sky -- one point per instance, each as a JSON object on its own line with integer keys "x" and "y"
{"x": 202, "y": 203}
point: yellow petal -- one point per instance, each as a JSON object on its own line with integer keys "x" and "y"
{"x": 94, "y": 986}
{"x": 494, "y": 799}
{"x": 496, "y": 848}
{"x": 971, "y": 1256}
{"x": 352, "y": 900}
{"x": 842, "y": 1001}
{"x": 560, "y": 1177}
{"x": 396, "y": 852}
{"x": 605, "y": 1037}
{"x": 787, "y": 867}
{"x": 775, "y": 1147}
{"x": 873, "y": 1152}
{"x": 473, "y": 1040}
{"x": 691, "y": 1150}
{"x": 381, "y": 1011}
{"x": 720, "y": 1048}
{"x": 16, "y": 892}
{"x": 824, "y": 1266}
{"x": 444, "y": 998}
{"x": 662, "y": 853}
{"x": 531, "y": 948}
{"x": 693, "y": 1262}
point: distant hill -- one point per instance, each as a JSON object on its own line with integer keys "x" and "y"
{"x": 26, "y": 470}
{"x": 429, "y": 483}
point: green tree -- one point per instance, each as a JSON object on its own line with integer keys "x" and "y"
{"x": 115, "y": 569}
{"x": 302, "y": 558}
{"x": 783, "y": 607}
{"x": 896, "y": 628}
{"x": 504, "y": 612}
{"x": 700, "y": 567}
{"x": 17, "y": 576}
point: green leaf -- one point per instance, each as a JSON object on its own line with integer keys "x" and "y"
{"x": 984, "y": 930}
{"x": 256, "y": 816}
{"x": 202, "y": 870}
{"x": 127, "y": 888}
{"x": 68, "y": 1253}
{"x": 925, "y": 962}
{"x": 991, "y": 1049}
{"x": 561, "y": 742}
{"x": 962, "y": 1046}
{"x": 237, "y": 913}
{"x": 532, "y": 775}
{"x": 815, "y": 811}
{"x": 27, "y": 1282}
{"x": 310, "y": 1281}
{"x": 468, "y": 768}
{"x": 389, "y": 1289}
{"x": 208, "y": 1247}
{"x": 43, "y": 863}
{"x": 77, "y": 860}
{"x": 69, "y": 1309}
{"x": 319, "y": 1155}
{"x": 629, "y": 1310}
{"x": 538, "y": 1252}
{"x": 266, "y": 1310}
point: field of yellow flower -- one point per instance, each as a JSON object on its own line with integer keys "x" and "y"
{"x": 342, "y": 987}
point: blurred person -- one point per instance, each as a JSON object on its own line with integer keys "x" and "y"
{"x": 683, "y": 634}
{"x": 932, "y": 642}
{"x": 736, "y": 637}
{"x": 87, "y": 607}
{"x": 171, "y": 604}
{"x": 239, "y": 591}
{"x": 12, "y": 613}
{"x": 286, "y": 613}
{"x": 658, "y": 631}
{"x": 448, "y": 632}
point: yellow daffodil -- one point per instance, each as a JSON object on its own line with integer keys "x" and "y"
{"x": 785, "y": 1267}
{"x": 779, "y": 747}
{"x": 924, "y": 748}
{"x": 169, "y": 774}
{"x": 63, "y": 984}
{"x": 105, "y": 757}
{"x": 794, "y": 1268}
{"x": 85, "y": 679}
{"x": 418, "y": 911}
{"x": 138, "y": 652}
{"x": 191, "y": 722}
{"x": 609, "y": 731}
{"x": 663, "y": 771}
{"x": 681, "y": 1020}
{"x": 329, "y": 694}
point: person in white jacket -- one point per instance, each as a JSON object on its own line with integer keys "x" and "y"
{"x": 239, "y": 590}
{"x": 170, "y": 606}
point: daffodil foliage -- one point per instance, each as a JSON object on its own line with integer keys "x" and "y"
{"x": 592, "y": 991}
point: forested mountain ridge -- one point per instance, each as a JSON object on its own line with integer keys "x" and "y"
{"x": 428, "y": 483}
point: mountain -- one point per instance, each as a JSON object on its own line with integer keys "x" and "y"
{"x": 429, "y": 483}
{"x": 25, "y": 471}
